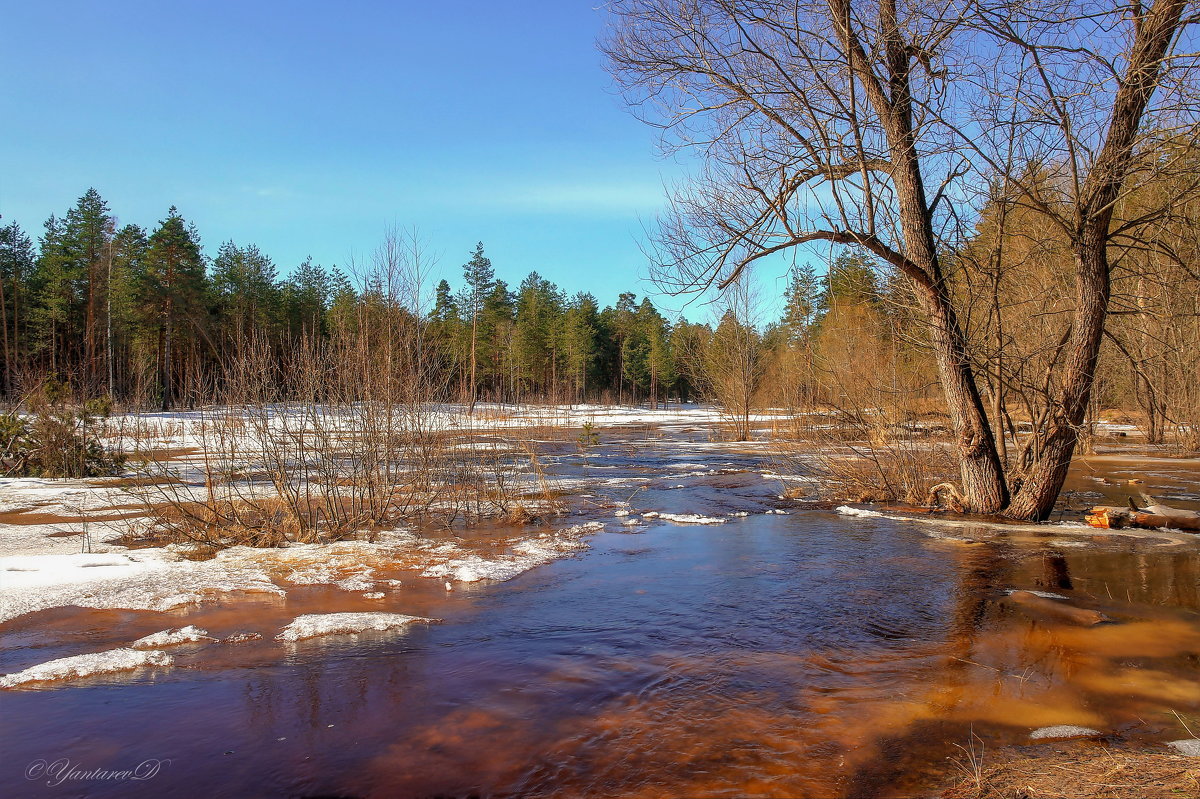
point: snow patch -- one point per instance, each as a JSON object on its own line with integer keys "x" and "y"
{"x": 525, "y": 555}
{"x": 36, "y": 571}
{"x": 846, "y": 510}
{"x": 318, "y": 624}
{"x": 1042, "y": 594}
{"x": 179, "y": 635}
{"x": 113, "y": 660}
{"x": 144, "y": 579}
{"x": 1062, "y": 732}
{"x": 691, "y": 518}
{"x": 1188, "y": 746}
{"x": 795, "y": 478}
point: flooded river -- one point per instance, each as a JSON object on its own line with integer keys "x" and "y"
{"x": 794, "y": 653}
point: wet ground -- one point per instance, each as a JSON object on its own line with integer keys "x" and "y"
{"x": 803, "y": 653}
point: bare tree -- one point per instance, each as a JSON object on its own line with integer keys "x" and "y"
{"x": 728, "y": 365}
{"x": 871, "y": 124}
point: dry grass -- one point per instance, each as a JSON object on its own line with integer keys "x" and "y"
{"x": 1075, "y": 770}
{"x": 892, "y": 456}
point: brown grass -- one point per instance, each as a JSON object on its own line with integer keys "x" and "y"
{"x": 1077, "y": 770}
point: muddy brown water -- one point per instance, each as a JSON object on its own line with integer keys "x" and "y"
{"x": 798, "y": 654}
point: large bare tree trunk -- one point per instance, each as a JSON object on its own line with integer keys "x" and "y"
{"x": 983, "y": 484}
{"x": 1105, "y": 181}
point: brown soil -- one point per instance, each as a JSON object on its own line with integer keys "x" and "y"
{"x": 161, "y": 455}
{"x": 141, "y": 480}
{"x": 1071, "y": 770}
{"x": 30, "y": 517}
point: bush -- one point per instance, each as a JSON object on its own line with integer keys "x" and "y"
{"x": 54, "y": 442}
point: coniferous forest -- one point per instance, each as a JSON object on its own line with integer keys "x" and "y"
{"x": 145, "y": 317}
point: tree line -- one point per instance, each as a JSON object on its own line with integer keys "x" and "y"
{"x": 145, "y": 317}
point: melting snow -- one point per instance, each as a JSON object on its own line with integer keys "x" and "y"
{"x": 180, "y": 635}
{"x": 691, "y": 518}
{"x": 1062, "y": 731}
{"x": 318, "y": 624}
{"x": 846, "y": 510}
{"x": 107, "y": 662}
{"x": 145, "y": 579}
{"x": 525, "y": 556}
{"x": 1042, "y": 594}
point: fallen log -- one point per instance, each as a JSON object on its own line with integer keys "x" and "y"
{"x": 1153, "y": 517}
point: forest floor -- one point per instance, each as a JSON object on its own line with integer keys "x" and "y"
{"x": 1077, "y": 771}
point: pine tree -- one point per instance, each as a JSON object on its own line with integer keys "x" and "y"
{"x": 579, "y": 332}
{"x": 173, "y": 292}
{"x": 305, "y": 298}
{"x": 480, "y": 282}
{"x": 538, "y": 308}
{"x": 88, "y": 236}
{"x": 852, "y": 278}
{"x": 342, "y": 300}
{"x": 802, "y": 300}
{"x": 126, "y": 322}
{"x": 496, "y": 333}
{"x": 17, "y": 262}
{"x": 247, "y": 297}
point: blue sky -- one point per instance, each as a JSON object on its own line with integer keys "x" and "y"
{"x": 310, "y": 128}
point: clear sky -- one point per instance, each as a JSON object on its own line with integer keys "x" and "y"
{"x": 309, "y": 128}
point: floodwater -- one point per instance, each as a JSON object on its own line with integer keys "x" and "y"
{"x": 778, "y": 654}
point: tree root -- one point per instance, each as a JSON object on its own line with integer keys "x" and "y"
{"x": 953, "y": 500}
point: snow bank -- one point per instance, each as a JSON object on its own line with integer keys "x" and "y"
{"x": 22, "y": 493}
{"x": 795, "y": 478}
{"x": 179, "y": 635}
{"x": 525, "y": 555}
{"x": 27, "y": 572}
{"x": 113, "y": 660}
{"x": 162, "y": 578}
{"x": 143, "y": 579}
{"x": 318, "y": 624}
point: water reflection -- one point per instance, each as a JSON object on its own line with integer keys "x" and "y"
{"x": 796, "y": 655}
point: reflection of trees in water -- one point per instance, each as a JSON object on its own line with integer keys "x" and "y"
{"x": 1162, "y": 583}
{"x": 1156, "y": 576}
{"x": 918, "y": 753}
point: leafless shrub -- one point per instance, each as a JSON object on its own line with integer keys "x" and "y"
{"x": 881, "y": 435}
{"x": 340, "y": 436}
